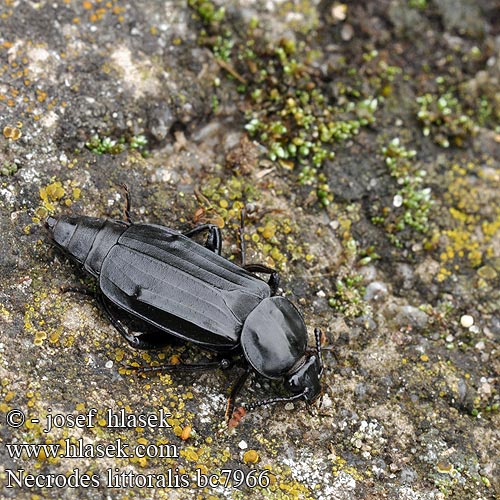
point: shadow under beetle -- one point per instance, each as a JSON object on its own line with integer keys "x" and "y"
{"x": 188, "y": 290}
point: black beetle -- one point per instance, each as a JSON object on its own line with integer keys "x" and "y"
{"x": 188, "y": 290}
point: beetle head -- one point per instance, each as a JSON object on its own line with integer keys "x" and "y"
{"x": 306, "y": 379}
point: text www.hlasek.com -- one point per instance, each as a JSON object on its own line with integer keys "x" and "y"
{"x": 115, "y": 478}
{"x": 78, "y": 449}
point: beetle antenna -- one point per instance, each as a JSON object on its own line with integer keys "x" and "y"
{"x": 191, "y": 367}
{"x": 317, "y": 335}
{"x": 252, "y": 406}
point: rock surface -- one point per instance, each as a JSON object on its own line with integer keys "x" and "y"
{"x": 364, "y": 141}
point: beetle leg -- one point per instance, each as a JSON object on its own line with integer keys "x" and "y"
{"x": 144, "y": 340}
{"x": 231, "y": 400}
{"x": 214, "y": 238}
{"x": 126, "y": 211}
{"x": 274, "y": 279}
{"x": 274, "y": 282}
{"x": 99, "y": 298}
{"x": 79, "y": 289}
{"x": 134, "y": 340}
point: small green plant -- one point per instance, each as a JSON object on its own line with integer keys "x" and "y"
{"x": 412, "y": 201}
{"x": 138, "y": 142}
{"x": 417, "y": 4}
{"x": 106, "y": 145}
{"x": 222, "y": 48}
{"x": 348, "y": 297}
{"x": 8, "y": 168}
{"x": 444, "y": 119}
{"x": 287, "y": 110}
{"x": 208, "y": 12}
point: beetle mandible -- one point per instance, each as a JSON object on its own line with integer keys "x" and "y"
{"x": 182, "y": 288}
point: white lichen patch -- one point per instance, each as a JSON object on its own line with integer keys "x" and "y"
{"x": 138, "y": 78}
{"x": 42, "y": 63}
{"x": 311, "y": 470}
{"x": 50, "y": 119}
{"x": 369, "y": 438}
{"x": 8, "y": 197}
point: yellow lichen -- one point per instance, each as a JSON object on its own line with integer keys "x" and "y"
{"x": 251, "y": 457}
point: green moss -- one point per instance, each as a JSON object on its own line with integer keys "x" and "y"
{"x": 443, "y": 119}
{"x": 288, "y": 110}
{"x": 417, "y": 4}
{"x": 106, "y": 145}
{"x": 368, "y": 255}
{"x": 412, "y": 200}
{"x": 208, "y": 12}
{"x": 348, "y": 298}
{"x": 451, "y": 110}
{"x": 295, "y": 121}
{"x": 8, "y": 168}
{"x": 138, "y": 142}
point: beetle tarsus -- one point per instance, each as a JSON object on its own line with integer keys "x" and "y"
{"x": 132, "y": 339}
{"x": 83, "y": 290}
{"x": 126, "y": 210}
{"x": 236, "y": 417}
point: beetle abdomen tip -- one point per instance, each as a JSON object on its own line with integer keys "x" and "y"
{"x": 50, "y": 222}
